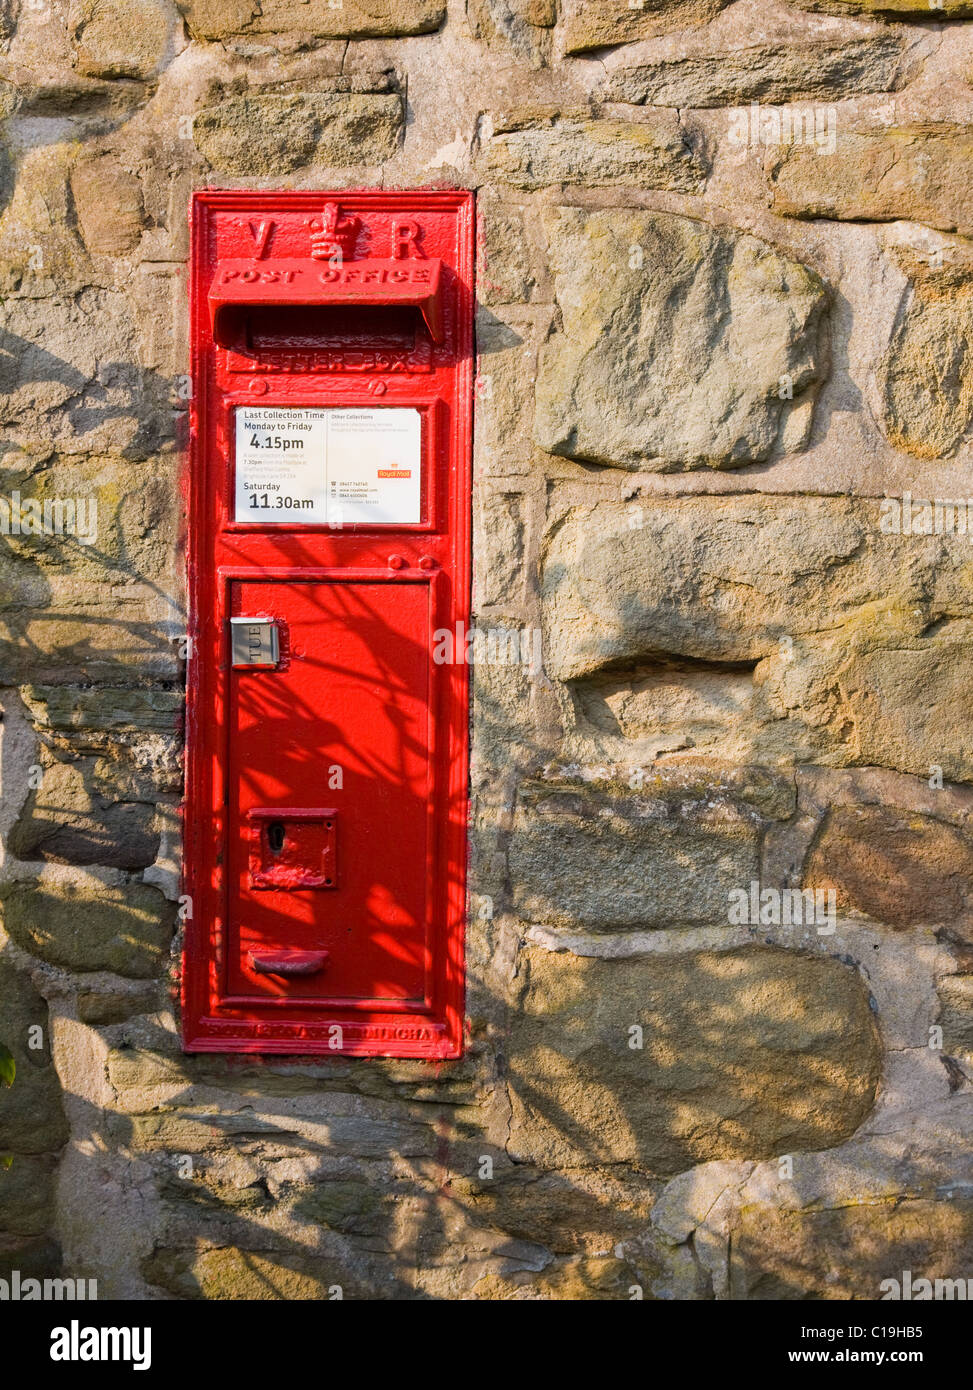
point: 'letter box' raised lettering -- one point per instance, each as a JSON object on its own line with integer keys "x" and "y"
{"x": 325, "y": 821}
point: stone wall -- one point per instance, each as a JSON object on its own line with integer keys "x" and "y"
{"x": 725, "y": 275}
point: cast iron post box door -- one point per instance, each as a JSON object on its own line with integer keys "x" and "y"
{"x": 325, "y": 820}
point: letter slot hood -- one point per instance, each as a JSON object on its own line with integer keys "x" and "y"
{"x": 242, "y": 285}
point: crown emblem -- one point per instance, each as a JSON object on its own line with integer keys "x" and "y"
{"x": 333, "y": 235}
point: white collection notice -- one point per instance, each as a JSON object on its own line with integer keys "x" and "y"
{"x": 330, "y": 467}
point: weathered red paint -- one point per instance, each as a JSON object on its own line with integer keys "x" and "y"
{"x": 328, "y": 911}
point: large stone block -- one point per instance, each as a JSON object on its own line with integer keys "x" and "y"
{"x": 682, "y": 345}
{"x": 920, "y": 172}
{"x": 77, "y": 816}
{"x": 926, "y": 375}
{"x": 123, "y": 38}
{"x": 712, "y": 579}
{"x": 673, "y": 706}
{"x": 241, "y": 1274}
{"x": 70, "y": 371}
{"x": 764, "y": 72}
{"x": 836, "y": 624}
{"x": 898, "y": 868}
{"x": 33, "y": 1257}
{"x": 912, "y": 705}
{"x": 534, "y": 149}
{"x": 39, "y": 245}
{"x": 126, "y": 929}
{"x": 27, "y": 1193}
{"x": 31, "y": 1114}
{"x": 108, "y": 520}
{"x": 504, "y": 410}
{"x": 135, "y": 735}
{"x": 108, "y": 201}
{"x": 748, "y": 1053}
{"x": 724, "y": 579}
{"x": 577, "y": 1209}
{"x": 276, "y": 134}
{"x": 353, "y": 19}
{"x": 509, "y": 263}
{"x": 103, "y": 709}
{"x": 521, "y": 25}
{"x": 499, "y": 576}
{"x": 54, "y": 629}
{"x": 369, "y": 1132}
{"x": 104, "y": 1006}
{"x": 848, "y": 1252}
{"x": 892, "y": 9}
{"x": 580, "y": 857}
{"x": 591, "y": 1279}
{"x": 602, "y": 23}
{"x": 956, "y": 1013}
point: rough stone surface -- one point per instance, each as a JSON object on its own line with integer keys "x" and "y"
{"x": 33, "y": 1129}
{"x": 712, "y": 580}
{"x": 224, "y": 19}
{"x": 745, "y": 1054}
{"x": 899, "y": 869}
{"x": 926, "y": 376}
{"x": 956, "y": 1018}
{"x": 123, "y": 38}
{"x": 921, "y": 171}
{"x": 534, "y": 148}
{"x": 631, "y": 860}
{"x": 670, "y": 622}
{"x": 605, "y": 22}
{"x": 523, "y": 25}
{"x": 126, "y": 930}
{"x": 847, "y": 1253}
{"x": 895, "y": 720}
{"x": 764, "y": 72}
{"x": 639, "y": 296}
{"x": 894, "y": 9}
{"x": 31, "y": 1114}
{"x": 103, "y": 708}
{"x": 76, "y": 817}
{"x": 108, "y": 201}
{"x": 262, "y": 135}
{"x": 230, "y": 1274}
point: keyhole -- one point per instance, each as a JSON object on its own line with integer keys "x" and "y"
{"x": 275, "y": 836}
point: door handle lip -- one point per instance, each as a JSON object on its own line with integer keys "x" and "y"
{"x": 284, "y": 961}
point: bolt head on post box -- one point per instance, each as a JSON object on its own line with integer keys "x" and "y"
{"x": 326, "y": 745}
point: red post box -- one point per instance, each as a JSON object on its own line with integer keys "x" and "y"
{"x": 328, "y": 543}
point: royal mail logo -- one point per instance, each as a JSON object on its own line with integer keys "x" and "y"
{"x": 395, "y": 472}
{"x": 333, "y": 235}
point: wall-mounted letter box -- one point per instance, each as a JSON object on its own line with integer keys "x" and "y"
{"x": 325, "y": 819}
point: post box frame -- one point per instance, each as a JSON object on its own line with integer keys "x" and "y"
{"x": 434, "y": 553}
